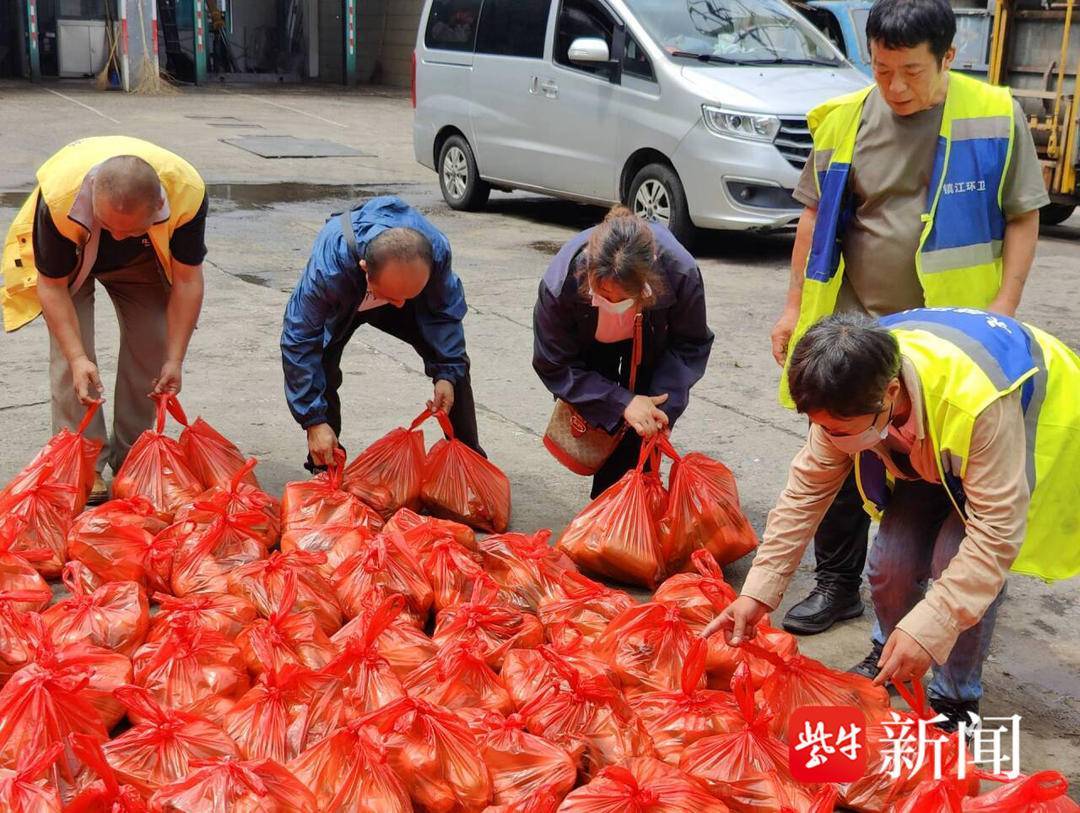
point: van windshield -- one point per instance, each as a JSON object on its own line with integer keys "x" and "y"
{"x": 752, "y": 32}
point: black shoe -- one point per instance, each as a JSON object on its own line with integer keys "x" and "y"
{"x": 868, "y": 666}
{"x": 955, "y": 711}
{"x": 821, "y": 609}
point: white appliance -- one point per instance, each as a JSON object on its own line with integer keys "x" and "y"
{"x": 81, "y": 46}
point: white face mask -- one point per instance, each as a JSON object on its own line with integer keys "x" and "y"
{"x": 617, "y": 308}
{"x": 867, "y": 439}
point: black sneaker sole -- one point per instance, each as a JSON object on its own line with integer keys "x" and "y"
{"x": 816, "y": 627}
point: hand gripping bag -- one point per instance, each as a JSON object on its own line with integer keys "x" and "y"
{"x": 17, "y": 639}
{"x": 459, "y": 678}
{"x": 369, "y": 676}
{"x": 575, "y": 708}
{"x": 452, "y": 571}
{"x": 435, "y": 754}
{"x": 162, "y": 746}
{"x": 116, "y": 616}
{"x": 462, "y": 485}
{"x": 420, "y": 531}
{"x": 17, "y": 572}
{"x": 212, "y": 457}
{"x": 285, "y": 713}
{"x": 703, "y": 511}
{"x": 238, "y": 496}
{"x": 263, "y": 582}
{"x": 349, "y": 772}
{"x": 156, "y": 469}
{"x": 286, "y": 638}
{"x": 528, "y": 672}
{"x": 335, "y": 543}
{"x": 523, "y": 765}
{"x": 99, "y": 788}
{"x": 219, "y": 612}
{"x": 746, "y": 747}
{"x": 617, "y": 535}
{"x": 38, "y": 517}
{"x": 692, "y": 591}
{"x": 1042, "y": 792}
{"x": 585, "y": 609}
{"x": 526, "y": 567}
{"x": 642, "y": 785}
{"x": 677, "y": 718}
{"x": 322, "y": 501}
{"x": 207, "y": 555}
{"x": 23, "y": 790}
{"x": 117, "y": 541}
{"x": 385, "y": 565}
{"x": 397, "y": 638}
{"x": 387, "y": 474}
{"x": 228, "y": 785}
{"x": 192, "y": 669}
{"x": 646, "y": 646}
{"x": 499, "y": 627}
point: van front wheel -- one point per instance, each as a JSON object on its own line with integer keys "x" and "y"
{"x": 462, "y": 187}
{"x": 656, "y": 193}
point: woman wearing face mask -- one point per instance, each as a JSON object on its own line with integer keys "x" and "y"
{"x": 584, "y": 321}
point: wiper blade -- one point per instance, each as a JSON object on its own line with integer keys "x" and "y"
{"x": 723, "y": 60}
{"x": 780, "y": 60}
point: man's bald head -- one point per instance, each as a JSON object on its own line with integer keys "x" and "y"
{"x": 127, "y": 195}
{"x": 398, "y": 264}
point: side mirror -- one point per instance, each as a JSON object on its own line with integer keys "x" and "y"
{"x": 589, "y": 50}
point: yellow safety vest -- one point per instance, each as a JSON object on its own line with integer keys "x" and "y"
{"x": 959, "y": 257}
{"x": 966, "y": 359}
{"x": 59, "y": 181}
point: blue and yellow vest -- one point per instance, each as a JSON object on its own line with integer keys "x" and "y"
{"x": 966, "y": 359}
{"x": 959, "y": 258}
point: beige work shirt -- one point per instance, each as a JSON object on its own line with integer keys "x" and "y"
{"x": 997, "y": 492}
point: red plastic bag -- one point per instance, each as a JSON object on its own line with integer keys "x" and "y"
{"x": 238, "y": 498}
{"x": 617, "y": 535}
{"x": 162, "y": 746}
{"x": 724, "y": 659}
{"x": 322, "y": 501}
{"x": 23, "y": 790}
{"x": 206, "y": 555}
{"x": 643, "y": 785}
{"x": 435, "y": 755}
{"x": 350, "y": 771}
{"x": 387, "y": 474}
{"x": 420, "y": 531}
{"x": 104, "y": 794}
{"x": 116, "y": 616}
{"x": 212, "y": 457}
{"x": 459, "y": 678}
{"x": 462, "y": 485}
{"x": 765, "y": 793}
{"x": 17, "y": 640}
{"x": 285, "y": 713}
{"x": 545, "y": 800}
{"x": 575, "y": 708}
{"x": 335, "y": 542}
{"x": 1042, "y": 792}
{"x": 263, "y": 582}
{"x": 700, "y": 596}
{"x": 523, "y": 765}
{"x": 675, "y": 719}
{"x": 526, "y": 673}
{"x": 385, "y": 564}
{"x": 647, "y": 645}
{"x": 703, "y": 511}
{"x": 526, "y": 567}
{"x": 452, "y": 571}
{"x": 746, "y": 746}
{"x": 397, "y": 638}
{"x": 156, "y": 469}
{"x": 231, "y": 786}
{"x": 585, "y": 610}
{"x": 223, "y": 613}
{"x": 945, "y": 795}
{"x": 39, "y": 515}
{"x": 117, "y": 542}
{"x": 361, "y": 665}
{"x": 499, "y": 627}
{"x": 286, "y": 638}
{"x": 17, "y": 572}
{"x": 192, "y": 669}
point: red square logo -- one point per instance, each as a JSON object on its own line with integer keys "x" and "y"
{"x": 827, "y": 744}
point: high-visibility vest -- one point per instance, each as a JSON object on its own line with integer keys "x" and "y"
{"x": 958, "y": 261}
{"x": 967, "y": 359}
{"x": 59, "y": 181}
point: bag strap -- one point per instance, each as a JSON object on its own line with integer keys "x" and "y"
{"x": 636, "y": 352}
{"x": 350, "y": 237}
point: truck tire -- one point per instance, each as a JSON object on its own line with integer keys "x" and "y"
{"x": 656, "y": 193}
{"x": 1053, "y": 214}
{"x": 460, "y": 181}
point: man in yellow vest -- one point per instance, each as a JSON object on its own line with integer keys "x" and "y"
{"x": 963, "y": 429}
{"x": 131, "y": 216}
{"x": 922, "y": 189}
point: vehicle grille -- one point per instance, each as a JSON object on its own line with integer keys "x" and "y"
{"x": 794, "y": 141}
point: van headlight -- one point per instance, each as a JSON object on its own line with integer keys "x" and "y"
{"x": 737, "y": 124}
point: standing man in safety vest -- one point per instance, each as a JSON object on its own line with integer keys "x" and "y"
{"x": 131, "y": 216}
{"x": 922, "y": 189}
{"x": 973, "y": 419}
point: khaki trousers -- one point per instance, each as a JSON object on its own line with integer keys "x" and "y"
{"x": 140, "y": 295}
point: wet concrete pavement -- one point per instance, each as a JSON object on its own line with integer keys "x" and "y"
{"x": 264, "y": 216}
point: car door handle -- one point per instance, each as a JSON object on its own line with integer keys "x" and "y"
{"x": 549, "y": 88}
{"x": 534, "y": 85}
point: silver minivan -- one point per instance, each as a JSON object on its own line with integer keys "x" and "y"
{"x": 692, "y": 112}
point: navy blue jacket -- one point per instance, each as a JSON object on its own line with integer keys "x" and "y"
{"x": 331, "y": 288}
{"x": 676, "y": 339}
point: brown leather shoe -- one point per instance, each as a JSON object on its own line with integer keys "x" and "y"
{"x": 99, "y": 493}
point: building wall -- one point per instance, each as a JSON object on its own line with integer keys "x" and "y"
{"x": 386, "y": 38}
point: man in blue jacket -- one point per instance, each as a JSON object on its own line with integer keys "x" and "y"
{"x": 385, "y": 265}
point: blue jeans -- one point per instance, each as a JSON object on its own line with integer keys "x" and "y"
{"x": 919, "y": 535}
